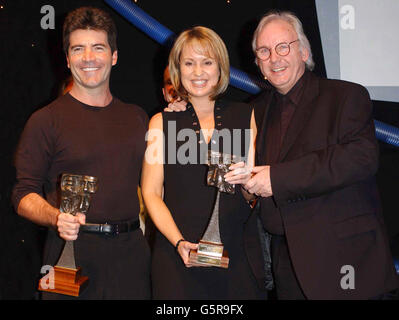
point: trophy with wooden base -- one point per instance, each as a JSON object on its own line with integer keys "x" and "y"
{"x": 76, "y": 192}
{"x": 210, "y": 250}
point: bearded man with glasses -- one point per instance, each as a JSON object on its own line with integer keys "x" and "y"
{"x": 317, "y": 156}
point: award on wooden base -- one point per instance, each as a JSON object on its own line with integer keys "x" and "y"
{"x": 210, "y": 250}
{"x": 76, "y": 191}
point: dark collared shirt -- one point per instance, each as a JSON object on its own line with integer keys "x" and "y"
{"x": 280, "y": 114}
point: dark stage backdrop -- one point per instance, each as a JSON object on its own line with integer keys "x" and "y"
{"x": 32, "y": 68}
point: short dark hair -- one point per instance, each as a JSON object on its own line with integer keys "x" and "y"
{"x": 89, "y": 18}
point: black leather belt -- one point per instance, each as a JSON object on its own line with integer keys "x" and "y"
{"x": 110, "y": 228}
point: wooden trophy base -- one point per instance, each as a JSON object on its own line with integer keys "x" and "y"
{"x": 202, "y": 260}
{"x": 66, "y": 281}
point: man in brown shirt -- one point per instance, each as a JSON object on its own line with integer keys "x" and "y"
{"x": 89, "y": 132}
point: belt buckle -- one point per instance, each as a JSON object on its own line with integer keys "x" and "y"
{"x": 101, "y": 228}
{"x": 109, "y": 229}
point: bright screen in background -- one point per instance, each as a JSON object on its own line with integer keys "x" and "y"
{"x": 361, "y": 44}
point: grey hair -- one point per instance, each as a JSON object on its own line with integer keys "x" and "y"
{"x": 293, "y": 20}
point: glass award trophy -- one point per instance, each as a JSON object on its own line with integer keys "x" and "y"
{"x": 76, "y": 192}
{"x": 210, "y": 250}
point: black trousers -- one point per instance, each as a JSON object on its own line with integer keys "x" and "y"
{"x": 287, "y": 286}
{"x": 118, "y": 267}
{"x": 286, "y": 283}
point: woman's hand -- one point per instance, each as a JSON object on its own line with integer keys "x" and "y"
{"x": 184, "y": 248}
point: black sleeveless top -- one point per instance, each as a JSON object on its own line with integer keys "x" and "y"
{"x": 191, "y": 201}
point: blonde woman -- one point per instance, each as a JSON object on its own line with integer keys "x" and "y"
{"x": 174, "y": 185}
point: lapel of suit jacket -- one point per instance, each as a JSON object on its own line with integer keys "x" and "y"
{"x": 301, "y": 115}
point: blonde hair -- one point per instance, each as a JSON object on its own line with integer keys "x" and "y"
{"x": 208, "y": 43}
{"x": 293, "y": 20}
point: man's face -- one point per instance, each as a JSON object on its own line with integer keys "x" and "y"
{"x": 282, "y": 72}
{"x": 90, "y": 58}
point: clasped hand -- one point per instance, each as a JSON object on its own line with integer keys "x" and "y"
{"x": 68, "y": 225}
{"x": 254, "y": 180}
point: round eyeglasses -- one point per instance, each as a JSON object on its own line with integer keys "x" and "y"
{"x": 282, "y": 49}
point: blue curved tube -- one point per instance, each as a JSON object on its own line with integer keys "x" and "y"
{"x": 387, "y": 133}
{"x": 396, "y": 262}
{"x": 245, "y": 82}
{"x": 141, "y": 20}
{"x": 241, "y": 80}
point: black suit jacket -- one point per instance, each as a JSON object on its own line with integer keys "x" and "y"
{"x": 324, "y": 188}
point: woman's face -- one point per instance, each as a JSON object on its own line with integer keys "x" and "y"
{"x": 199, "y": 72}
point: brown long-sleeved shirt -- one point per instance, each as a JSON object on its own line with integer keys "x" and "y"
{"x": 68, "y": 136}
